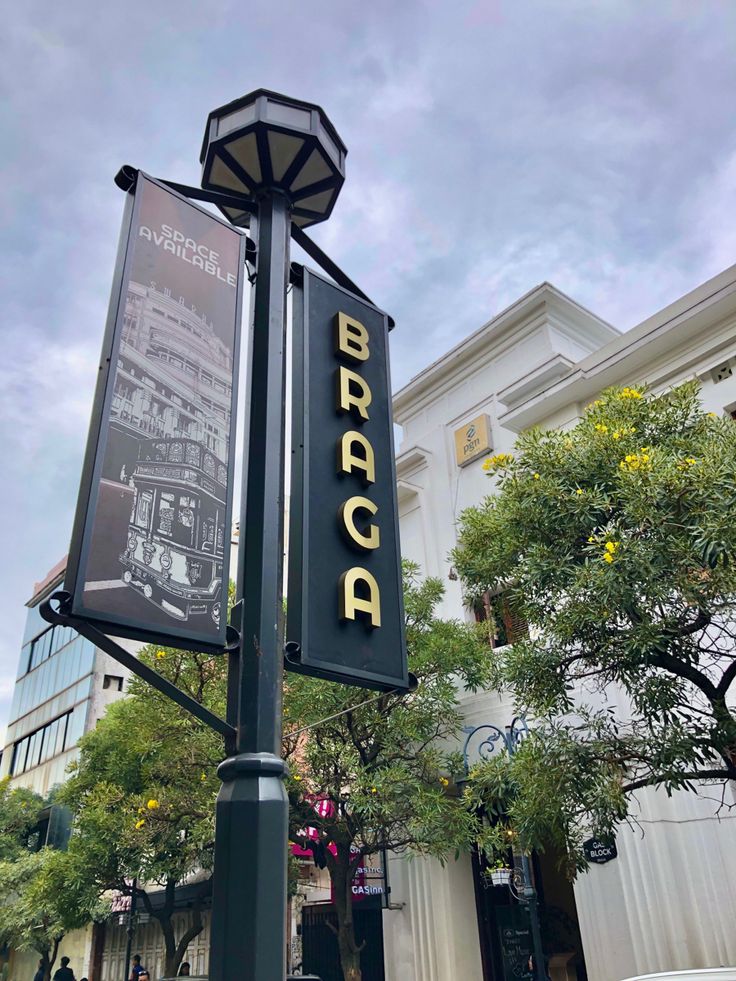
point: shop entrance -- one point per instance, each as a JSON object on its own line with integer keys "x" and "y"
{"x": 320, "y": 955}
{"x": 504, "y": 930}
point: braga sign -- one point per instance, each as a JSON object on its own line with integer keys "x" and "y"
{"x": 345, "y": 615}
{"x": 151, "y": 543}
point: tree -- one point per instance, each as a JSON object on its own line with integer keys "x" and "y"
{"x": 616, "y": 540}
{"x": 143, "y": 793}
{"x": 380, "y": 766}
{"x": 43, "y": 894}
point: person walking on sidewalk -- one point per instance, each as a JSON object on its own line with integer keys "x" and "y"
{"x": 64, "y": 973}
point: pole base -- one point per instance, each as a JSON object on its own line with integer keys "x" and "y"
{"x": 249, "y": 885}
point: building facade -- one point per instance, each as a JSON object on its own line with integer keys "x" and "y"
{"x": 64, "y": 685}
{"x": 667, "y": 901}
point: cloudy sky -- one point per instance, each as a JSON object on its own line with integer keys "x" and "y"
{"x": 492, "y": 145}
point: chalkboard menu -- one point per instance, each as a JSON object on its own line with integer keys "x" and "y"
{"x": 516, "y": 941}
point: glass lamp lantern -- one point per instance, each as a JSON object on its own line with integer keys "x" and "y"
{"x": 264, "y": 142}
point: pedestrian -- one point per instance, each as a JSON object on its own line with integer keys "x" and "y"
{"x": 64, "y": 973}
{"x": 40, "y": 973}
{"x": 184, "y": 970}
{"x": 138, "y": 972}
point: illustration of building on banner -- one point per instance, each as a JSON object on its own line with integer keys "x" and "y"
{"x": 169, "y": 432}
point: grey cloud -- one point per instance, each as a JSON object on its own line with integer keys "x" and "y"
{"x": 493, "y": 144}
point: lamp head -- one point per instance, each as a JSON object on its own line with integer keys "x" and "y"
{"x": 264, "y": 142}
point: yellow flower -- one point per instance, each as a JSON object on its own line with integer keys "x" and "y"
{"x": 601, "y": 427}
{"x": 160, "y": 654}
{"x": 609, "y": 551}
{"x": 591, "y": 540}
{"x": 712, "y": 415}
{"x": 630, "y": 393}
{"x": 536, "y": 476}
{"x": 373, "y": 790}
{"x": 139, "y": 824}
{"x": 203, "y": 776}
{"x": 579, "y": 490}
{"x": 635, "y": 461}
{"x": 616, "y": 434}
{"x": 444, "y": 781}
{"x": 298, "y": 779}
{"x": 497, "y": 462}
{"x": 153, "y": 804}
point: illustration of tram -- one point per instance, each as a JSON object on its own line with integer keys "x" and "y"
{"x": 176, "y": 534}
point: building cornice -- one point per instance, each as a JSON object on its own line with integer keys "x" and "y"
{"x": 542, "y": 306}
{"x": 678, "y": 328}
{"x": 53, "y": 578}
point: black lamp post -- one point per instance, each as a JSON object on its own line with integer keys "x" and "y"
{"x": 285, "y": 156}
{"x": 509, "y": 739}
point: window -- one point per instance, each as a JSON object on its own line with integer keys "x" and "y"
{"x": 112, "y": 681}
{"x": 143, "y": 509}
{"x": 723, "y": 371}
{"x": 509, "y": 624}
{"x": 166, "y": 514}
{"x": 41, "y": 745}
{"x": 48, "y": 643}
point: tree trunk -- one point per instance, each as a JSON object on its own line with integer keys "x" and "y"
{"x": 174, "y": 952}
{"x": 167, "y": 929}
{"x": 48, "y": 958}
{"x": 341, "y": 872}
{"x": 197, "y": 925}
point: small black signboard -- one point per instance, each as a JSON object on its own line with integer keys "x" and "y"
{"x": 599, "y": 852}
{"x": 515, "y": 934}
{"x": 345, "y": 611}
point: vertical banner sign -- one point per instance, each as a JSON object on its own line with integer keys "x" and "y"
{"x": 345, "y": 612}
{"x": 151, "y": 541}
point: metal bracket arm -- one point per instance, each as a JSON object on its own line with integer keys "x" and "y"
{"x": 331, "y": 268}
{"x": 129, "y": 661}
{"x": 126, "y": 179}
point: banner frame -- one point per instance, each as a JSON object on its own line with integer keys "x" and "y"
{"x": 297, "y": 654}
{"x": 128, "y": 627}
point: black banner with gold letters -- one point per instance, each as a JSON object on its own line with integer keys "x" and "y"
{"x": 345, "y": 612}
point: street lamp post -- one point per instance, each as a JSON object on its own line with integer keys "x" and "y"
{"x": 130, "y": 928}
{"x": 509, "y": 739}
{"x": 285, "y": 156}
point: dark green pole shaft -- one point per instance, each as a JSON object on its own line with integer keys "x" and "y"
{"x": 251, "y": 831}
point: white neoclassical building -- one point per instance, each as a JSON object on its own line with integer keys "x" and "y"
{"x": 668, "y": 901}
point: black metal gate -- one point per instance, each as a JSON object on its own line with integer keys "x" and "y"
{"x": 319, "y": 943}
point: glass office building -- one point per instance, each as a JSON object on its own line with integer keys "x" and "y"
{"x": 63, "y": 686}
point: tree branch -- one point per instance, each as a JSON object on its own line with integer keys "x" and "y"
{"x": 655, "y": 779}
{"x": 727, "y": 679}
